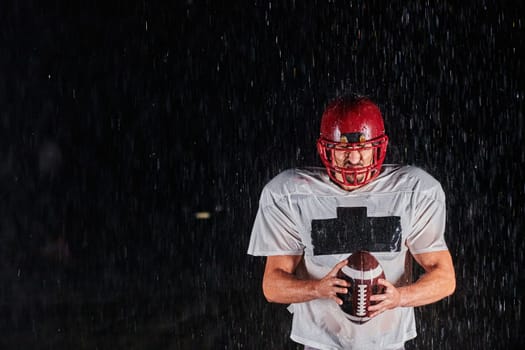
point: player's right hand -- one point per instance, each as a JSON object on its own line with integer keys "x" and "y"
{"x": 330, "y": 285}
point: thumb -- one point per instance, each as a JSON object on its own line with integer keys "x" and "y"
{"x": 338, "y": 267}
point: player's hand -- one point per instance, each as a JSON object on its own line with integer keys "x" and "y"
{"x": 330, "y": 285}
{"x": 390, "y": 299}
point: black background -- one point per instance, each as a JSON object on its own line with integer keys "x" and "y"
{"x": 120, "y": 120}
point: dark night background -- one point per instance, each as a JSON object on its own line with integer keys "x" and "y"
{"x": 120, "y": 120}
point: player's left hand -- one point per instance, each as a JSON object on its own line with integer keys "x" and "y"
{"x": 390, "y": 299}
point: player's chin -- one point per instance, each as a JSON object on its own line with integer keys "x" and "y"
{"x": 355, "y": 180}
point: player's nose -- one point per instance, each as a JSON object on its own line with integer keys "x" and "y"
{"x": 354, "y": 157}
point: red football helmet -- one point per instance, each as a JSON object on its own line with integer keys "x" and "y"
{"x": 352, "y": 144}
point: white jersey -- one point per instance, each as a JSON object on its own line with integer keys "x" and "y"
{"x": 301, "y": 212}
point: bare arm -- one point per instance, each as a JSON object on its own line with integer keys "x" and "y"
{"x": 438, "y": 282}
{"x": 282, "y": 285}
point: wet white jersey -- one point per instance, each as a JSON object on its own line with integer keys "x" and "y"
{"x": 301, "y": 212}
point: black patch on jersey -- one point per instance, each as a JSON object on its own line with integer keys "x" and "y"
{"x": 353, "y": 231}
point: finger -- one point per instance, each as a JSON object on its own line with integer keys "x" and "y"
{"x": 378, "y": 297}
{"x": 374, "y": 314}
{"x": 372, "y": 311}
{"x": 341, "y": 290}
{"x": 385, "y": 283}
{"x": 378, "y": 306}
{"x": 337, "y": 300}
{"x": 340, "y": 282}
{"x": 336, "y": 268}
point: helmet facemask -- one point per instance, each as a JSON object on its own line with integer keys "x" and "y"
{"x": 335, "y": 157}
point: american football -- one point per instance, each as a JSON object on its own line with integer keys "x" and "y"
{"x": 362, "y": 271}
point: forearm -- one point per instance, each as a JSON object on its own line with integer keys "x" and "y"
{"x": 286, "y": 288}
{"x": 434, "y": 285}
{"x": 282, "y": 283}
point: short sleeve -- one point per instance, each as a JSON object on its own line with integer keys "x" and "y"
{"x": 428, "y": 223}
{"x": 275, "y": 231}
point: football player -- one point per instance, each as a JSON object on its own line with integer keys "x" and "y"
{"x": 310, "y": 220}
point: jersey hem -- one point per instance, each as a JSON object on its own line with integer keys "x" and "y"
{"x": 275, "y": 252}
{"x": 429, "y": 250}
{"x": 308, "y": 342}
{"x": 313, "y": 344}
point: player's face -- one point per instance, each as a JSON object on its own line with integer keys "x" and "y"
{"x": 352, "y": 158}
